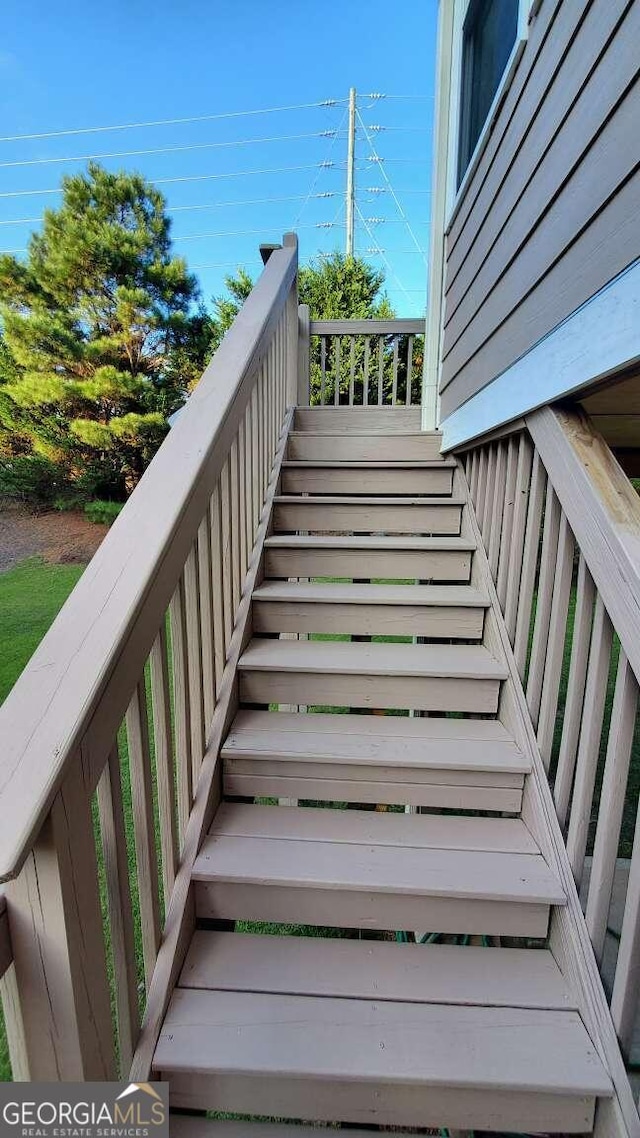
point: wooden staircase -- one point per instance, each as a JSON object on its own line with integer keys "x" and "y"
{"x": 473, "y": 1026}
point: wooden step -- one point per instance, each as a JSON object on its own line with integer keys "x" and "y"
{"x": 437, "y": 611}
{"x": 425, "y": 677}
{"x": 376, "y": 970}
{"x": 358, "y": 447}
{"x": 363, "y": 869}
{"x": 367, "y": 515}
{"x": 413, "y": 558}
{"x": 361, "y": 420}
{"x": 197, "y": 1126}
{"x": 462, "y": 764}
{"x": 400, "y": 1064}
{"x": 329, "y": 477}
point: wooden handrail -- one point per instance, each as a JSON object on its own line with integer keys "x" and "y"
{"x": 67, "y": 705}
{"x": 366, "y": 327}
{"x": 602, "y": 509}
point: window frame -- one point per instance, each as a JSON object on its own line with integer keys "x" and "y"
{"x": 455, "y": 194}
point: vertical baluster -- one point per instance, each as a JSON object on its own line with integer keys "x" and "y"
{"x": 205, "y": 590}
{"x": 255, "y": 461}
{"x": 497, "y": 508}
{"x": 590, "y": 732}
{"x": 482, "y": 484}
{"x": 217, "y": 591}
{"x": 626, "y": 984}
{"x": 338, "y": 352}
{"x": 194, "y": 663}
{"x": 365, "y": 376}
{"x": 507, "y": 520}
{"x": 116, "y": 873}
{"x": 248, "y": 477}
{"x": 548, "y": 556}
{"x": 529, "y": 564}
{"x": 394, "y": 381}
{"x": 323, "y": 369}
{"x": 263, "y": 430}
{"x": 143, "y": 827}
{"x": 241, "y": 453}
{"x": 612, "y": 798}
{"x": 380, "y": 369}
{"x": 487, "y": 512}
{"x": 409, "y": 391}
{"x": 473, "y": 480}
{"x": 352, "y": 371}
{"x": 555, "y": 647}
{"x": 516, "y": 547}
{"x": 181, "y": 712}
{"x": 161, "y": 706}
{"x": 585, "y": 594}
{"x": 234, "y": 499}
{"x": 227, "y": 569}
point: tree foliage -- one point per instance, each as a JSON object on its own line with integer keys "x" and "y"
{"x": 99, "y": 334}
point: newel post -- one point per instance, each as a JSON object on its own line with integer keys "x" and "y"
{"x": 58, "y": 946}
{"x": 303, "y": 356}
{"x": 290, "y": 240}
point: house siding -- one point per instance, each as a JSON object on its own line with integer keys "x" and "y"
{"x": 550, "y": 214}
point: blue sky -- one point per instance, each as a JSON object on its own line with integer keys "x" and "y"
{"x": 108, "y": 62}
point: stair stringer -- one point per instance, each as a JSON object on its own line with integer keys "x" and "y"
{"x": 568, "y": 935}
{"x": 180, "y": 921}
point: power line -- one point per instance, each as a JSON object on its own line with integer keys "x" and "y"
{"x": 391, "y": 189}
{"x": 169, "y": 149}
{"x": 391, "y": 270}
{"x": 186, "y": 178}
{"x": 167, "y": 122}
{"x": 318, "y": 173}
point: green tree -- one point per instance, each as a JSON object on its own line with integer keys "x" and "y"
{"x": 96, "y": 321}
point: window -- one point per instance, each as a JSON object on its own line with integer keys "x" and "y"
{"x": 489, "y": 33}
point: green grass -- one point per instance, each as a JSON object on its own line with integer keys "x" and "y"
{"x": 31, "y": 595}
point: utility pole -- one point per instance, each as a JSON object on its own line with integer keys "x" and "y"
{"x": 351, "y": 162}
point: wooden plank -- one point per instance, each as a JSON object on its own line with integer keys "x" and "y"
{"x": 498, "y": 509}
{"x": 314, "y": 966}
{"x": 612, "y": 801}
{"x": 626, "y": 984}
{"x": 529, "y": 565}
{"x": 389, "y": 327}
{"x": 516, "y": 548}
{"x": 444, "y": 623}
{"x": 226, "y": 540}
{"x": 359, "y": 593}
{"x": 421, "y": 558}
{"x": 164, "y": 764}
{"x": 290, "y": 786}
{"x": 194, "y": 662}
{"x": 589, "y": 746}
{"x": 190, "y": 1126}
{"x": 446, "y": 744}
{"x": 78, "y": 683}
{"x": 116, "y": 871}
{"x": 414, "y": 693}
{"x": 544, "y": 599}
{"x": 365, "y": 828}
{"x": 367, "y": 479}
{"x": 337, "y": 342}
{"x": 556, "y": 641}
{"x": 411, "y": 516}
{"x": 341, "y": 1039}
{"x": 143, "y": 826}
{"x": 323, "y": 369}
{"x": 182, "y": 714}
{"x": 352, "y": 370}
{"x": 576, "y": 680}
{"x": 380, "y": 371}
{"x": 217, "y": 590}
{"x": 205, "y": 597}
{"x": 504, "y": 553}
{"x": 180, "y": 918}
{"x": 6, "y": 952}
{"x": 304, "y": 331}
{"x": 462, "y": 661}
{"x": 360, "y": 420}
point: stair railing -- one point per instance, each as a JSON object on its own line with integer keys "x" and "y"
{"x": 561, "y": 526}
{"x": 365, "y": 363}
{"x": 105, "y": 734}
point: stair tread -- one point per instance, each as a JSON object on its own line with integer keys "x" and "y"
{"x": 461, "y": 661}
{"x": 363, "y": 500}
{"x": 455, "y": 744}
{"x": 377, "y": 970}
{"x": 372, "y": 827}
{"x": 370, "y": 541}
{"x": 461, "y": 596}
{"x": 385, "y": 1042}
{"x": 190, "y": 1126}
{"x": 387, "y": 859}
{"x": 373, "y": 463}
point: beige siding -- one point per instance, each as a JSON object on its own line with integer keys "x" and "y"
{"x": 550, "y": 215}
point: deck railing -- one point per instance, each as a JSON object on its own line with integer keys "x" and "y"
{"x": 105, "y": 735}
{"x": 363, "y": 362}
{"x": 561, "y": 526}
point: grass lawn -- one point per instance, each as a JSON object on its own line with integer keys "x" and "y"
{"x": 31, "y": 595}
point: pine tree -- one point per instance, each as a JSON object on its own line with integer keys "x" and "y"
{"x": 95, "y": 322}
